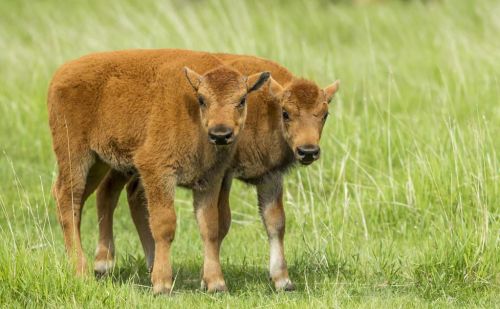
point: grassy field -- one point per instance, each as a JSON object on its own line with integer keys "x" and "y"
{"x": 403, "y": 209}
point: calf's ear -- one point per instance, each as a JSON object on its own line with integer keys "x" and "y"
{"x": 275, "y": 88}
{"x": 330, "y": 90}
{"x": 193, "y": 78}
{"x": 255, "y": 81}
{"x": 277, "y": 91}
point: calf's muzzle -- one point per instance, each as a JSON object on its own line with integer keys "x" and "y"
{"x": 307, "y": 154}
{"x": 220, "y": 135}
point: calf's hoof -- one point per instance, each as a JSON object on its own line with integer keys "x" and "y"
{"x": 103, "y": 267}
{"x": 162, "y": 289}
{"x": 214, "y": 287}
{"x": 284, "y": 285}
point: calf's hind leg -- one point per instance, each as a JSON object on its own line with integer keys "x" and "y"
{"x": 140, "y": 215}
{"x": 270, "y": 196}
{"x": 78, "y": 176}
{"x": 108, "y": 194}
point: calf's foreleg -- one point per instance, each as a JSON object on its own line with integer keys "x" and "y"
{"x": 207, "y": 215}
{"x": 270, "y": 197}
{"x": 159, "y": 186}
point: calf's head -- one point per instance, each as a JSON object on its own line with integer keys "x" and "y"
{"x": 222, "y": 94}
{"x": 304, "y": 108}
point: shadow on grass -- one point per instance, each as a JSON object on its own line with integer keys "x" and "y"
{"x": 240, "y": 278}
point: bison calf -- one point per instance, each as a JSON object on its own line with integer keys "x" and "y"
{"x": 284, "y": 125}
{"x": 143, "y": 111}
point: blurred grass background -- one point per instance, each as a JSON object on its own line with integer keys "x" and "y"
{"x": 402, "y": 210}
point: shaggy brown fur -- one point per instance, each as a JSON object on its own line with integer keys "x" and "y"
{"x": 143, "y": 111}
{"x": 281, "y": 123}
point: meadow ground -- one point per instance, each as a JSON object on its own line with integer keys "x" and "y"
{"x": 402, "y": 210}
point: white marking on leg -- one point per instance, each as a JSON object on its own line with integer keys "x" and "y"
{"x": 103, "y": 267}
{"x": 276, "y": 264}
{"x": 284, "y": 284}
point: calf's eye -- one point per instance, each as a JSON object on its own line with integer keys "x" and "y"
{"x": 286, "y": 117}
{"x": 242, "y": 103}
{"x": 201, "y": 102}
{"x": 325, "y": 116}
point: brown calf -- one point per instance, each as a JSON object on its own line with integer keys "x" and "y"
{"x": 284, "y": 125}
{"x": 136, "y": 111}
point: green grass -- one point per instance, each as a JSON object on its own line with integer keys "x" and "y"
{"x": 401, "y": 211}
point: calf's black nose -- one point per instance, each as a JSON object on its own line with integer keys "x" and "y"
{"x": 220, "y": 135}
{"x": 307, "y": 153}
